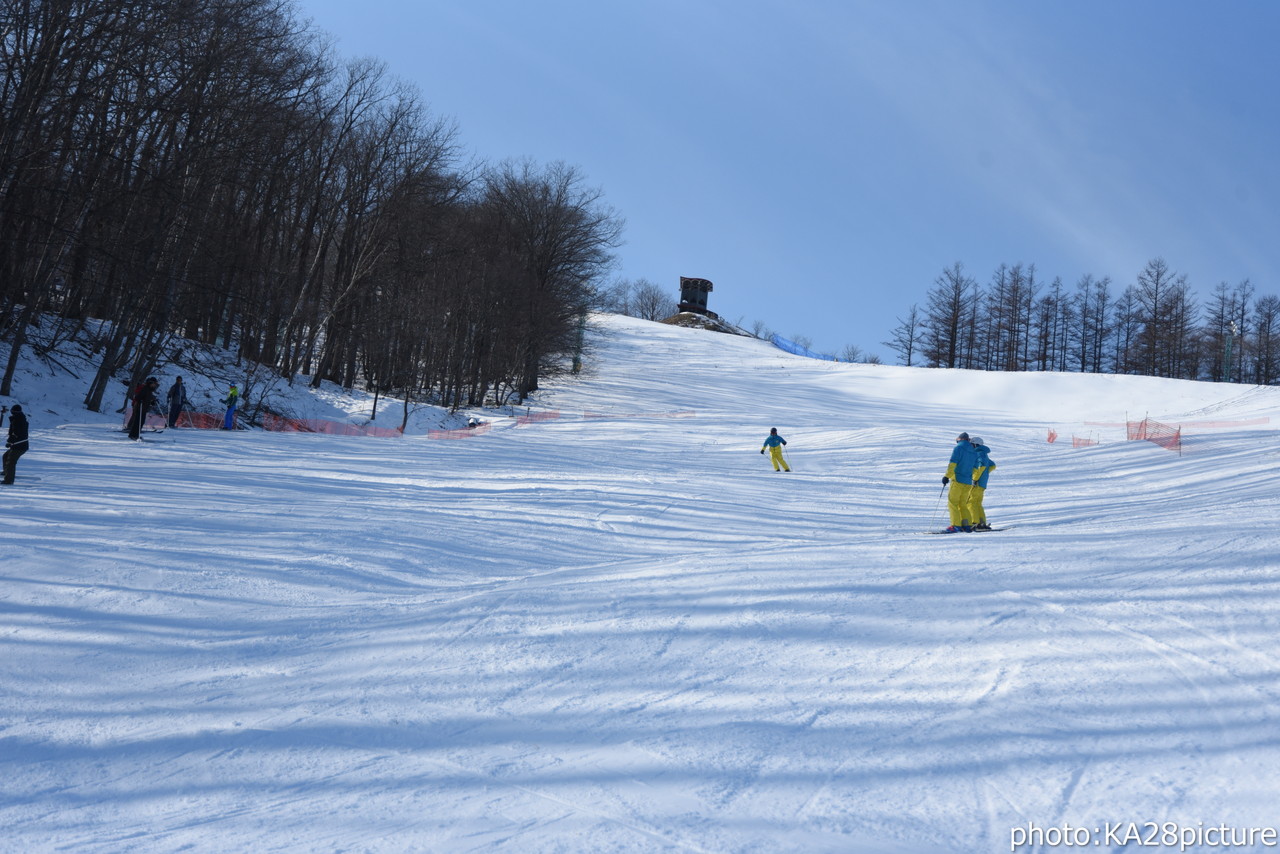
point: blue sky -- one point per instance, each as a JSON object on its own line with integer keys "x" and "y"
{"x": 822, "y": 162}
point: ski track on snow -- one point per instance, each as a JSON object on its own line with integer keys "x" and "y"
{"x": 628, "y": 633}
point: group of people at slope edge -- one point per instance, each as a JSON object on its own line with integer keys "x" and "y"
{"x": 143, "y": 400}
{"x": 967, "y": 472}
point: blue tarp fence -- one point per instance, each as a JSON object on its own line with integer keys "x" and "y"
{"x": 792, "y": 347}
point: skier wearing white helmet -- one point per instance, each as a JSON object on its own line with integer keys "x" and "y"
{"x": 981, "y": 471}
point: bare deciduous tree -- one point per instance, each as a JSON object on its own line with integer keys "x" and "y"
{"x": 906, "y": 336}
{"x": 208, "y": 169}
{"x": 651, "y": 302}
{"x": 948, "y": 318}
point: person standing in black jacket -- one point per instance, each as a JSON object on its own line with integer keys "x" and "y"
{"x": 177, "y": 401}
{"x": 144, "y": 400}
{"x": 16, "y": 444}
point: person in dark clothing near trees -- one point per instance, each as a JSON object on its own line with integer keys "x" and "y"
{"x": 177, "y": 401}
{"x": 144, "y": 400}
{"x": 16, "y": 444}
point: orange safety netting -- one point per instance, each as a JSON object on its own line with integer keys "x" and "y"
{"x": 535, "y": 417}
{"x": 1077, "y": 442}
{"x": 280, "y": 424}
{"x": 200, "y": 420}
{"x": 463, "y": 433}
{"x": 1163, "y": 435}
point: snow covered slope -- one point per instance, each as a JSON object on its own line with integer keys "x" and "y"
{"x": 620, "y": 630}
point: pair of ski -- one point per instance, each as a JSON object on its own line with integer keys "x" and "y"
{"x": 144, "y": 430}
{"x": 983, "y": 531}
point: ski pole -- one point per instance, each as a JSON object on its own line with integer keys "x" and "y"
{"x": 937, "y": 506}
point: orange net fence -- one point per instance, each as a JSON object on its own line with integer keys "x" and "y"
{"x": 1164, "y": 435}
{"x": 200, "y": 420}
{"x": 535, "y": 417}
{"x": 463, "y": 433}
{"x": 280, "y": 424}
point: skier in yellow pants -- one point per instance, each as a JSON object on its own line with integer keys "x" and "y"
{"x": 964, "y": 458}
{"x": 982, "y": 471}
{"x": 774, "y": 443}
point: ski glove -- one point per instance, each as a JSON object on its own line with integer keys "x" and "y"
{"x": 762, "y": 450}
{"x": 945, "y": 480}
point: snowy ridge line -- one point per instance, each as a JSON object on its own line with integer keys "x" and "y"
{"x": 1244, "y": 422}
{"x": 682, "y": 413}
{"x": 1247, "y": 422}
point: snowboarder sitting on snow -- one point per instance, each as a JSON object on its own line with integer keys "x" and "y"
{"x": 983, "y": 470}
{"x": 774, "y": 443}
{"x": 144, "y": 400}
{"x": 16, "y": 444}
{"x": 964, "y": 457}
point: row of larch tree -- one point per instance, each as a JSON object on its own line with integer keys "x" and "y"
{"x": 209, "y": 170}
{"x": 1153, "y": 327}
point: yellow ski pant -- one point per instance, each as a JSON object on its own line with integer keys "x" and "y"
{"x": 977, "y": 514}
{"x": 775, "y": 457}
{"x": 958, "y": 503}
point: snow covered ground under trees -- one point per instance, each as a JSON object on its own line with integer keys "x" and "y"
{"x": 619, "y": 630}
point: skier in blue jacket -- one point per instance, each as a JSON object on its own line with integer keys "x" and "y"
{"x": 981, "y": 472}
{"x": 964, "y": 457}
{"x": 774, "y": 443}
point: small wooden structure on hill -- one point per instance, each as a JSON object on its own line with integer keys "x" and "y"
{"x": 693, "y": 312}
{"x": 693, "y": 295}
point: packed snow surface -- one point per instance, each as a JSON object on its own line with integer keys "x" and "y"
{"x": 619, "y": 630}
